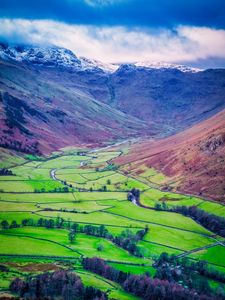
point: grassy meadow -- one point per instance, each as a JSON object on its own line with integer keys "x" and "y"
{"x": 91, "y": 190}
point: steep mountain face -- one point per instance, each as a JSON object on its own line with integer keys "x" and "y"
{"x": 42, "y": 110}
{"x": 193, "y": 160}
{"x": 168, "y": 98}
{"x": 50, "y": 96}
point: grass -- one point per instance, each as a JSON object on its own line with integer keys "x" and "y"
{"x": 100, "y": 196}
{"x": 7, "y": 206}
{"x": 86, "y": 245}
{"x": 75, "y": 206}
{"x": 29, "y": 185}
{"x": 153, "y": 251}
{"x": 172, "y": 237}
{"x": 128, "y": 209}
{"x": 134, "y": 269}
{"x": 94, "y": 218}
{"x": 113, "y": 289}
{"x": 38, "y": 197}
{"x": 110, "y": 208}
{"x": 10, "y": 158}
{"x": 170, "y": 198}
{"x": 213, "y": 255}
{"x": 214, "y": 208}
{"x": 65, "y": 161}
{"x": 152, "y": 196}
{"x": 18, "y": 216}
{"x": 77, "y": 178}
{"x": 21, "y": 245}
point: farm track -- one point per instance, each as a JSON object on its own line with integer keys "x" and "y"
{"x": 200, "y": 249}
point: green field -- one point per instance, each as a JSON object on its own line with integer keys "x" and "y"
{"x": 98, "y": 197}
{"x": 214, "y": 255}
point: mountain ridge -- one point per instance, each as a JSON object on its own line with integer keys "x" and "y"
{"x": 54, "y": 55}
{"x": 97, "y": 103}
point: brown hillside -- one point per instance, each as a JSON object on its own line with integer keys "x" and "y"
{"x": 194, "y": 158}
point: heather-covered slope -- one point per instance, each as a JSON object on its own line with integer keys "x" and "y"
{"x": 169, "y": 99}
{"x": 42, "y": 109}
{"x": 194, "y": 160}
{"x": 50, "y": 98}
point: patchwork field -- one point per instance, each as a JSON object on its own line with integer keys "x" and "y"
{"x": 44, "y": 198}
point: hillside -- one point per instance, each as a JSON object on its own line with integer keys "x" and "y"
{"x": 51, "y": 98}
{"x": 192, "y": 160}
{"x": 169, "y": 98}
{"x": 41, "y": 110}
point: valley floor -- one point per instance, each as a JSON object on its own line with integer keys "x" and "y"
{"x": 86, "y": 187}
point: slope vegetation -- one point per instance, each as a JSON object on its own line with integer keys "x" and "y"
{"x": 192, "y": 160}
{"x": 40, "y": 111}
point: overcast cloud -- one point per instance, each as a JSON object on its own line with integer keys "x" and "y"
{"x": 119, "y": 43}
{"x": 183, "y": 31}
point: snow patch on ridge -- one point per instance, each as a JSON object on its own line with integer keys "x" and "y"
{"x": 88, "y": 64}
{"x": 165, "y": 65}
{"x": 61, "y": 57}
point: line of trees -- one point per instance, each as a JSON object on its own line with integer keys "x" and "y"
{"x": 5, "y": 172}
{"x": 126, "y": 240}
{"x": 59, "y": 284}
{"x": 142, "y": 285}
{"x": 210, "y": 221}
{"x": 64, "y": 189}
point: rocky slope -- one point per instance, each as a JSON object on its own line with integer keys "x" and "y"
{"x": 193, "y": 160}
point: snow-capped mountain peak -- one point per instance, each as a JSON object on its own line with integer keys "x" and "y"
{"x": 52, "y": 56}
{"x": 49, "y": 56}
{"x": 88, "y": 64}
{"x": 165, "y": 65}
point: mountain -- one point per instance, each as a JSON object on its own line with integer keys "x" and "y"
{"x": 163, "y": 66}
{"x": 193, "y": 160}
{"x": 168, "y": 99}
{"x": 51, "y": 98}
{"x": 42, "y": 109}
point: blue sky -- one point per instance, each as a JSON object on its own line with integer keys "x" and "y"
{"x": 184, "y": 31}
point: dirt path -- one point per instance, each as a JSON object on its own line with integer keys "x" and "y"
{"x": 200, "y": 248}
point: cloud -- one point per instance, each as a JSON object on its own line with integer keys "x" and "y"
{"x": 119, "y": 43}
{"x": 97, "y": 3}
{"x": 148, "y": 13}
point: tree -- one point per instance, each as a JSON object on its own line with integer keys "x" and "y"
{"x": 49, "y": 223}
{"x": 14, "y": 224}
{"x": 60, "y": 284}
{"x": 100, "y": 247}
{"x": 108, "y": 182}
{"x": 71, "y": 236}
{"x": 5, "y": 224}
{"x": 75, "y": 227}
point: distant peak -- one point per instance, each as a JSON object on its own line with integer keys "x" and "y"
{"x": 165, "y": 65}
{"x": 88, "y": 63}
{"x": 48, "y": 56}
